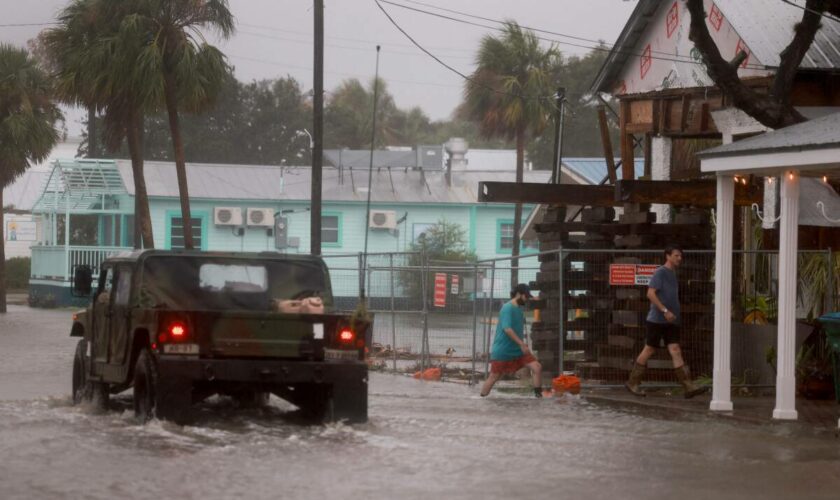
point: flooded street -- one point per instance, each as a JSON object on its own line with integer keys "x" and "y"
{"x": 424, "y": 440}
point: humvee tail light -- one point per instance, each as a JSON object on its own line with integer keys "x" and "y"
{"x": 346, "y": 335}
{"x": 177, "y": 330}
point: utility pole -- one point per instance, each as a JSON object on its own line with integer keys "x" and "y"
{"x": 558, "y": 131}
{"x": 317, "y": 131}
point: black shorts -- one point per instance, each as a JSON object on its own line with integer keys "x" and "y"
{"x": 656, "y": 332}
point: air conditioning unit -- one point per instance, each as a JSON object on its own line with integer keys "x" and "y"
{"x": 227, "y": 216}
{"x": 263, "y": 217}
{"x": 383, "y": 219}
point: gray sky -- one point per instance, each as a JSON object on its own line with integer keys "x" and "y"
{"x": 274, "y": 39}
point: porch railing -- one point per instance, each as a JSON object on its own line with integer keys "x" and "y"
{"x": 57, "y": 262}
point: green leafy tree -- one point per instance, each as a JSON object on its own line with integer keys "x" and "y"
{"x": 28, "y": 129}
{"x": 178, "y": 66}
{"x": 444, "y": 243}
{"x": 510, "y": 95}
{"x": 93, "y": 64}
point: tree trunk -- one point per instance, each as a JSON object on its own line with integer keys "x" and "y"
{"x": 143, "y": 237}
{"x": 2, "y": 256}
{"x": 517, "y": 212}
{"x": 775, "y": 109}
{"x": 180, "y": 163}
{"x": 93, "y": 151}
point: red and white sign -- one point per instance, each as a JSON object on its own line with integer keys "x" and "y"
{"x": 645, "y": 61}
{"x": 631, "y": 274}
{"x": 455, "y": 286}
{"x": 440, "y": 289}
{"x": 672, "y": 21}
{"x": 743, "y": 47}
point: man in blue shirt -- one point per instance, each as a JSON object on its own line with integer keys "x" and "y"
{"x": 510, "y": 352}
{"x": 663, "y": 325}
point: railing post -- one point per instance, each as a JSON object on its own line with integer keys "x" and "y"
{"x": 393, "y": 314}
{"x": 475, "y": 321}
{"x": 487, "y": 339}
{"x": 561, "y": 315}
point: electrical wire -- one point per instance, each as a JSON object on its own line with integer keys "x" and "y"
{"x": 812, "y": 11}
{"x": 600, "y": 47}
{"x": 19, "y": 25}
{"x": 452, "y": 69}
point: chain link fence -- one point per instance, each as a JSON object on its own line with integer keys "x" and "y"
{"x": 443, "y": 314}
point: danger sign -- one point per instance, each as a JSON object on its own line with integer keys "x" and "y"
{"x": 455, "y": 285}
{"x": 440, "y": 289}
{"x": 631, "y": 274}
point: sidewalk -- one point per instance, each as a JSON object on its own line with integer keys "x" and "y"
{"x": 758, "y": 409}
{"x": 17, "y": 298}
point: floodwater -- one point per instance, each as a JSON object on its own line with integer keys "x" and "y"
{"x": 424, "y": 440}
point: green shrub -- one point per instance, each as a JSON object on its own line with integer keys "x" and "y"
{"x": 17, "y": 273}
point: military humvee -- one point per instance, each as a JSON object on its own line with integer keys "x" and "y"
{"x": 179, "y": 326}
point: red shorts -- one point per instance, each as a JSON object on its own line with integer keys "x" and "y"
{"x": 511, "y": 366}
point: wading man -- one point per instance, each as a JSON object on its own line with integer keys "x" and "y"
{"x": 663, "y": 324}
{"x": 510, "y": 352}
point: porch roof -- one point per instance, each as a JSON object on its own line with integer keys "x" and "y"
{"x": 82, "y": 186}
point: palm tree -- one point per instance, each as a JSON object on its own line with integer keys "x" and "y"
{"x": 509, "y": 96}
{"x": 27, "y": 125}
{"x": 93, "y": 67}
{"x": 177, "y": 64}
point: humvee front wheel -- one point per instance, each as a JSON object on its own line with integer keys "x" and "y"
{"x": 81, "y": 386}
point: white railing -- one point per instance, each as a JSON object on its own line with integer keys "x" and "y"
{"x": 58, "y": 262}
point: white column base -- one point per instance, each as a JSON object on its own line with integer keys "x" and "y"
{"x": 721, "y": 406}
{"x": 785, "y": 414}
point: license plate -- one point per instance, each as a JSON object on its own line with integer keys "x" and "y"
{"x": 180, "y": 348}
{"x": 340, "y": 354}
{"x": 318, "y": 330}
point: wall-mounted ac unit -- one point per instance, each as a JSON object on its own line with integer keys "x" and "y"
{"x": 263, "y": 217}
{"x": 227, "y": 216}
{"x": 383, "y": 219}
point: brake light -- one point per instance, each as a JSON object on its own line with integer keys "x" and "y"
{"x": 346, "y": 335}
{"x": 177, "y": 330}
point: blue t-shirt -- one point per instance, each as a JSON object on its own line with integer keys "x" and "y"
{"x": 504, "y": 348}
{"x": 664, "y": 281}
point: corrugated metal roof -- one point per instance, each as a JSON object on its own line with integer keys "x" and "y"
{"x": 269, "y": 183}
{"x": 814, "y": 134}
{"x": 766, "y": 30}
{"x": 595, "y": 169}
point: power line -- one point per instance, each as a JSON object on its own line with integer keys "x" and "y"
{"x": 450, "y": 68}
{"x": 19, "y": 25}
{"x": 812, "y": 11}
{"x": 599, "y": 47}
{"x": 310, "y": 42}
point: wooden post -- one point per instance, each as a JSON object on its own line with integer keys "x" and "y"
{"x": 606, "y": 143}
{"x": 628, "y": 163}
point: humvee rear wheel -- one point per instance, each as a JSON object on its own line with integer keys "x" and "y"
{"x": 145, "y": 384}
{"x": 81, "y": 386}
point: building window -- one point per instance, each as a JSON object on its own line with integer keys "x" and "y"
{"x": 176, "y": 233}
{"x": 506, "y": 238}
{"x": 329, "y": 229}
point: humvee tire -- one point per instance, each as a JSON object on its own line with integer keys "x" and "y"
{"x": 81, "y": 387}
{"x": 166, "y": 400}
{"x": 251, "y": 399}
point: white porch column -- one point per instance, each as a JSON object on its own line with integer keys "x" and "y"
{"x": 786, "y": 350}
{"x": 722, "y": 371}
{"x": 660, "y": 170}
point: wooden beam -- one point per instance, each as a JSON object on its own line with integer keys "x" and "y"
{"x": 626, "y": 138}
{"x": 606, "y": 143}
{"x": 700, "y": 193}
{"x": 550, "y": 194}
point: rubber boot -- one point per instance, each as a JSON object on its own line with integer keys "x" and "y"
{"x": 635, "y": 380}
{"x": 684, "y": 378}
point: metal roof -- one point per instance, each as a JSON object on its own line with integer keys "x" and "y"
{"x": 594, "y": 170}
{"x": 428, "y": 157}
{"x": 814, "y": 134}
{"x": 80, "y": 186}
{"x": 767, "y": 31}
{"x": 272, "y": 183}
